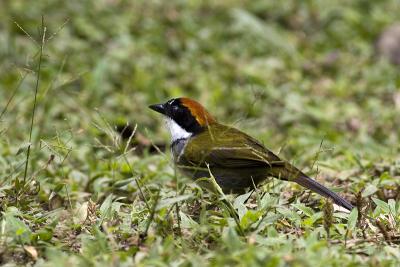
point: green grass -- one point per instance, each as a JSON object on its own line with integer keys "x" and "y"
{"x": 302, "y": 77}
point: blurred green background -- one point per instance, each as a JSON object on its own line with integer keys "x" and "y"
{"x": 291, "y": 73}
{"x": 295, "y": 68}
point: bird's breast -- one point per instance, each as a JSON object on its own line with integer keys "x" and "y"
{"x": 178, "y": 147}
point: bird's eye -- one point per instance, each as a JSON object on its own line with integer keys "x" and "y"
{"x": 172, "y": 110}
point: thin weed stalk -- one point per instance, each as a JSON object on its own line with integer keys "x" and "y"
{"x": 28, "y": 152}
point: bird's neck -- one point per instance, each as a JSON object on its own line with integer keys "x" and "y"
{"x": 176, "y": 131}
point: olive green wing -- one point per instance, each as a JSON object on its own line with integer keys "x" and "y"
{"x": 229, "y": 148}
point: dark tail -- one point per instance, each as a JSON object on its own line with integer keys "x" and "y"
{"x": 318, "y": 188}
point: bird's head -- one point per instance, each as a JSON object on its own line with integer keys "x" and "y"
{"x": 184, "y": 117}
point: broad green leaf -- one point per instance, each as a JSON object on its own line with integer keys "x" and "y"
{"x": 381, "y": 204}
{"x": 16, "y": 228}
{"x": 250, "y": 217}
{"x": 352, "y": 221}
{"x": 187, "y": 222}
{"x": 306, "y": 210}
{"x": 241, "y": 199}
{"x": 392, "y": 206}
{"x": 172, "y": 200}
{"x": 106, "y": 207}
{"x": 81, "y": 213}
{"x": 369, "y": 190}
{"x": 122, "y": 183}
{"x": 312, "y": 219}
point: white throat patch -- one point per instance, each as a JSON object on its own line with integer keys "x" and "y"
{"x": 177, "y": 132}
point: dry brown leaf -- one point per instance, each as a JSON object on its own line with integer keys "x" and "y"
{"x": 31, "y": 251}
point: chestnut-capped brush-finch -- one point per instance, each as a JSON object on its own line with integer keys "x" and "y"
{"x": 201, "y": 145}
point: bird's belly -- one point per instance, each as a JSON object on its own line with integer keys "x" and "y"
{"x": 231, "y": 180}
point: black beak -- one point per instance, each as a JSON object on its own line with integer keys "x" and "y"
{"x": 160, "y": 108}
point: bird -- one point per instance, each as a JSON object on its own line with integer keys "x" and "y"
{"x": 202, "y": 147}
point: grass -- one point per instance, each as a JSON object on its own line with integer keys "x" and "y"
{"x": 302, "y": 77}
